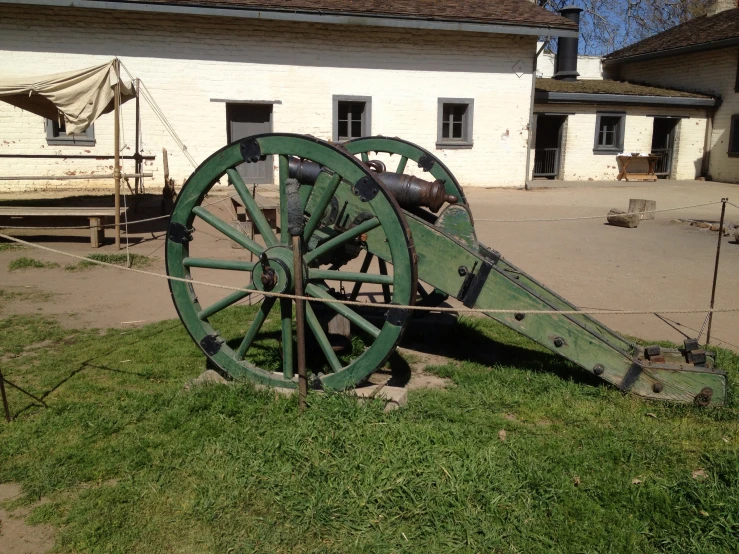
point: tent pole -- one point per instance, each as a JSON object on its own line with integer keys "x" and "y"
{"x": 137, "y": 155}
{"x": 117, "y": 153}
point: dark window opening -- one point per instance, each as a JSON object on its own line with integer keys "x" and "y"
{"x": 56, "y": 134}
{"x": 455, "y": 123}
{"x": 734, "y": 137}
{"x": 351, "y": 117}
{"x": 609, "y": 133}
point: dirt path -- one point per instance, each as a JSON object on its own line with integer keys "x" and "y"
{"x": 660, "y": 264}
{"x": 16, "y": 536}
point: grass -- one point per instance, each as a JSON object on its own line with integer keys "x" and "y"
{"x": 131, "y": 462}
{"x": 137, "y": 260}
{"x": 10, "y": 246}
{"x": 30, "y": 263}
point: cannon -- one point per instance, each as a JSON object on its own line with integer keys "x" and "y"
{"x": 410, "y": 238}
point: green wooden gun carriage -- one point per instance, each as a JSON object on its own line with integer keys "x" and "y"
{"x": 340, "y": 209}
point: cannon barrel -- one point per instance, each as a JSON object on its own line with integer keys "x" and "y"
{"x": 409, "y": 191}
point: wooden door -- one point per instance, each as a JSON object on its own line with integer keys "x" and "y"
{"x": 245, "y": 120}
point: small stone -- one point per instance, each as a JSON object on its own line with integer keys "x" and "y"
{"x": 699, "y": 474}
{"x": 636, "y": 481}
{"x": 577, "y": 480}
{"x": 502, "y": 435}
{"x": 208, "y": 377}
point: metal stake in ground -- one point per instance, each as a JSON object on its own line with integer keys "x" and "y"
{"x": 715, "y": 269}
{"x": 5, "y": 398}
{"x": 296, "y": 223}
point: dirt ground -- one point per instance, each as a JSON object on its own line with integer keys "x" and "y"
{"x": 662, "y": 264}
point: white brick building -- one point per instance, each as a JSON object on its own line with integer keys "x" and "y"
{"x": 698, "y": 56}
{"x": 207, "y": 62}
{"x": 583, "y": 121}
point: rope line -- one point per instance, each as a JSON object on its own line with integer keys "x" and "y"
{"x": 595, "y": 216}
{"x": 370, "y": 305}
{"x": 476, "y": 220}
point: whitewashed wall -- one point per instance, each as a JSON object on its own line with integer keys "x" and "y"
{"x": 711, "y": 72}
{"x": 188, "y": 61}
{"x": 581, "y": 163}
{"x": 589, "y": 67}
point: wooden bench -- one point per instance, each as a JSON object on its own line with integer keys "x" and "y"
{"x": 268, "y": 206}
{"x": 32, "y": 216}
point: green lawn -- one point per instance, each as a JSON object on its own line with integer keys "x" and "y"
{"x": 132, "y": 462}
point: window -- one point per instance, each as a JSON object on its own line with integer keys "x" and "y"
{"x": 454, "y": 127}
{"x": 352, "y": 117}
{"x": 56, "y": 135}
{"x": 609, "y": 133}
{"x": 734, "y": 137}
{"x": 736, "y": 82}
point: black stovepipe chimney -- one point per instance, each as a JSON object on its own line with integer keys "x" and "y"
{"x": 566, "y": 61}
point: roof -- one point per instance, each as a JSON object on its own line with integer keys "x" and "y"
{"x": 500, "y": 12}
{"x": 701, "y": 33}
{"x": 606, "y": 86}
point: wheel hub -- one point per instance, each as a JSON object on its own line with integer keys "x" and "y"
{"x": 273, "y": 272}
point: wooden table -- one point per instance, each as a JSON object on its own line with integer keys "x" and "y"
{"x": 34, "y": 216}
{"x": 648, "y": 176}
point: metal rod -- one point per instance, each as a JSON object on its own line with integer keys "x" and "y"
{"x": 71, "y": 177}
{"x": 300, "y": 319}
{"x": 117, "y": 154}
{"x": 75, "y": 156}
{"x": 5, "y": 398}
{"x": 138, "y": 160}
{"x": 715, "y": 268}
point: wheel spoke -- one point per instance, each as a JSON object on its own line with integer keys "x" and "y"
{"x": 385, "y": 287}
{"x": 236, "y": 236}
{"x": 324, "y": 201}
{"x": 358, "y": 285}
{"x": 211, "y": 263}
{"x": 225, "y": 302}
{"x": 401, "y": 165}
{"x": 284, "y": 175}
{"x": 344, "y": 237}
{"x": 351, "y": 276}
{"x": 255, "y": 326}
{"x": 365, "y": 157}
{"x": 286, "y": 313}
{"x": 351, "y": 315}
{"x": 322, "y": 339}
{"x": 253, "y": 209}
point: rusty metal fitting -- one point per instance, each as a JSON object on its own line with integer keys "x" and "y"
{"x": 657, "y": 387}
{"x": 598, "y": 369}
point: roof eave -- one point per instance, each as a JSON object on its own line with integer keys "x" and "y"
{"x": 311, "y": 17}
{"x": 544, "y": 97}
{"x": 713, "y": 45}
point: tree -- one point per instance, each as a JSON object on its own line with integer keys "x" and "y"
{"x": 607, "y": 25}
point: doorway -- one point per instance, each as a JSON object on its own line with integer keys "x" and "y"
{"x": 245, "y": 120}
{"x": 663, "y": 144}
{"x": 548, "y": 146}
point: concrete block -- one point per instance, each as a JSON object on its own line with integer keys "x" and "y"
{"x": 394, "y": 397}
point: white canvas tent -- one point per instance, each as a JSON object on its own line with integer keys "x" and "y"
{"x": 80, "y": 96}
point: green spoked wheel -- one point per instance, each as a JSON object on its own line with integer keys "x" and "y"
{"x": 257, "y": 341}
{"x": 407, "y": 151}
